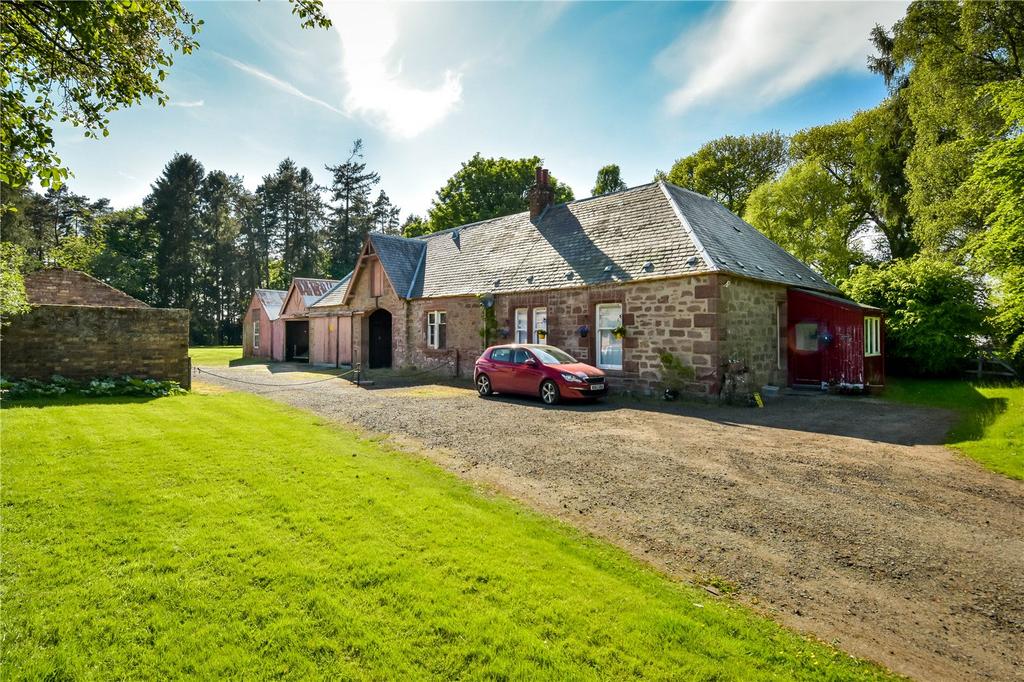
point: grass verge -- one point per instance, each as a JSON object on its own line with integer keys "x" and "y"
{"x": 219, "y": 356}
{"x": 222, "y": 535}
{"x": 991, "y": 425}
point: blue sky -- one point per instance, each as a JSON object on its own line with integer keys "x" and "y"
{"x": 426, "y": 85}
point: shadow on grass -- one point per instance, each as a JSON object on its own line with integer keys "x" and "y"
{"x": 977, "y": 411}
{"x": 44, "y": 401}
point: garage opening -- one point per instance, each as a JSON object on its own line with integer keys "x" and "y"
{"x": 380, "y": 339}
{"x": 296, "y": 341}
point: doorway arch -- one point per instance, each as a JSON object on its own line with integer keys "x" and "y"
{"x": 380, "y": 338}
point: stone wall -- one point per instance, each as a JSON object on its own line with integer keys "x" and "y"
{"x": 463, "y": 322}
{"x": 88, "y": 342}
{"x": 698, "y": 319}
{"x": 679, "y": 316}
{"x": 69, "y": 287}
{"x": 753, "y": 328}
{"x": 361, "y": 303}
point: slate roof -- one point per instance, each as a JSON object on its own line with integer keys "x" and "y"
{"x": 650, "y": 231}
{"x": 272, "y": 300}
{"x": 335, "y": 295}
{"x": 736, "y": 246}
{"x": 400, "y": 257}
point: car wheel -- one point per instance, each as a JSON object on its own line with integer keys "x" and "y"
{"x": 549, "y": 392}
{"x": 483, "y": 386}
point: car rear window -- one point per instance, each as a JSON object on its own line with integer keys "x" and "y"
{"x": 501, "y": 355}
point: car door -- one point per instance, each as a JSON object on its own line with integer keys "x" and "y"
{"x": 526, "y": 376}
{"x": 500, "y": 369}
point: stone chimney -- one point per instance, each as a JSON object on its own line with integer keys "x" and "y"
{"x": 540, "y": 195}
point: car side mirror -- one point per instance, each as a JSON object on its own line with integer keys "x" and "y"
{"x": 531, "y": 362}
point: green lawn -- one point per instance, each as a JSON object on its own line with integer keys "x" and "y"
{"x": 991, "y": 425}
{"x": 223, "y": 535}
{"x": 218, "y": 356}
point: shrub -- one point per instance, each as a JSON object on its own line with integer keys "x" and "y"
{"x": 934, "y": 311}
{"x": 58, "y": 385}
{"x": 675, "y": 375}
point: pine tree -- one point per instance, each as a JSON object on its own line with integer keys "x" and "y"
{"x": 352, "y": 215}
{"x": 385, "y": 215}
{"x": 173, "y": 208}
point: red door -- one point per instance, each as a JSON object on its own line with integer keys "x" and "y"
{"x": 805, "y": 352}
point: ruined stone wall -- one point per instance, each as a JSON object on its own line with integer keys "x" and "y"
{"x": 89, "y": 342}
{"x": 59, "y": 286}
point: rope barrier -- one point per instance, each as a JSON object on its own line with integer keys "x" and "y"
{"x": 450, "y": 362}
{"x": 200, "y": 370}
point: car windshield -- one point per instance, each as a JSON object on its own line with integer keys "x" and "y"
{"x": 550, "y": 355}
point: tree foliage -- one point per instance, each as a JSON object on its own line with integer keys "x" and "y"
{"x": 352, "y": 216}
{"x": 12, "y": 281}
{"x": 933, "y": 318}
{"x": 609, "y": 179}
{"x": 810, "y": 214}
{"x": 486, "y": 188}
{"x": 79, "y": 61}
{"x": 730, "y": 168}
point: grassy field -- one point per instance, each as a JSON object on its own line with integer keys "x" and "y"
{"x": 991, "y": 425}
{"x": 217, "y": 356}
{"x": 222, "y": 535}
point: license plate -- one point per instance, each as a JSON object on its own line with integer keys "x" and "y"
{"x": 596, "y": 387}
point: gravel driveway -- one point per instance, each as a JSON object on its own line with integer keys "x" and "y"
{"x": 840, "y": 517}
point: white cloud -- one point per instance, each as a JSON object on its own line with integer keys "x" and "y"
{"x": 766, "y": 51}
{"x": 282, "y": 85}
{"x": 376, "y": 90}
{"x": 188, "y": 104}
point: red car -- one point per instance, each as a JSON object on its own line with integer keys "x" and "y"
{"x": 545, "y": 371}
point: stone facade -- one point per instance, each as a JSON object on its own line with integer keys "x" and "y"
{"x": 702, "y": 320}
{"x": 89, "y": 342}
{"x": 677, "y": 315}
{"x": 753, "y": 328}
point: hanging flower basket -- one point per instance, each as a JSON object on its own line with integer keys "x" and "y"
{"x": 583, "y": 331}
{"x": 542, "y": 334}
{"x": 619, "y": 332}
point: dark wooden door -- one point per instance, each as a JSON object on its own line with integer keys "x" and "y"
{"x": 380, "y": 339}
{"x": 296, "y": 341}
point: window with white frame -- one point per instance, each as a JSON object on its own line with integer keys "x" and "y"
{"x": 540, "y": 325}
{"x": 437, "y": 329}
{"x": 872, "y": 336}
{"x": 522, "y": 334}
{"x": 609, "y": 347}
{"x": 256, "y": 333}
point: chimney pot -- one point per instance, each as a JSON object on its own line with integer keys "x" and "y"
{"x": 541, "y": 194}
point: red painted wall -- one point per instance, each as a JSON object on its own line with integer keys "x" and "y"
{"x": 839, "y": 357}
{"x": 271, "y": 333}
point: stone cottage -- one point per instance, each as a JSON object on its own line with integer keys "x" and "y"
{"x": 615, "y": 280}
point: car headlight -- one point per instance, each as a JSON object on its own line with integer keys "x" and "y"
{"x": 571, "y": 378}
